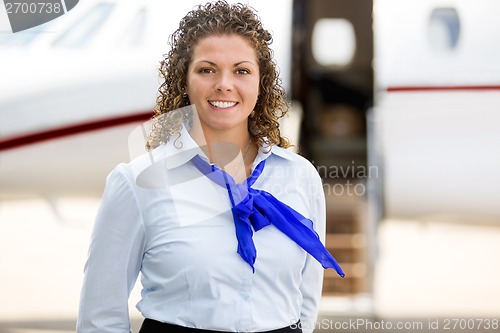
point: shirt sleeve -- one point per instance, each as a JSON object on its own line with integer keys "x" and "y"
{"x": 114, "y": 259}
{"x": 312, "y": 275}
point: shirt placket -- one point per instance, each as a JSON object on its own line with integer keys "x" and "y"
{"x": 246, "y": 301}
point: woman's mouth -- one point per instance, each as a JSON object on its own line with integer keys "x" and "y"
{"x": 222, "y": 104}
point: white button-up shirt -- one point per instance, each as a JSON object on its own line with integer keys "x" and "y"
{"x": 161, "y": 217}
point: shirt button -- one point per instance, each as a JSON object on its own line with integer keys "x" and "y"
{"x": 246, "y": 297}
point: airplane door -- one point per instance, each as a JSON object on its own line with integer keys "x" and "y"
{"x": 332, "y": 79}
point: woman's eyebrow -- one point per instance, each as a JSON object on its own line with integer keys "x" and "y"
{"x": 242, "y": 62}
{"x": 211, "y": 63}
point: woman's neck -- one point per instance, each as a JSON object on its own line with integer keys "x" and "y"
{"x": 233, "y": 153}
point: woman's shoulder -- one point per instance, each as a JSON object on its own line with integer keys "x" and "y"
{"x": 140, "y": 166}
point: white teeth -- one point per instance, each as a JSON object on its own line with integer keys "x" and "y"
{"x": 222, "y": 105}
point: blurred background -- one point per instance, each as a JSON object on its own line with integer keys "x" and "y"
{"x": 396, "y": 103}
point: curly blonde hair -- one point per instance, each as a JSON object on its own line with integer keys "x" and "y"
{"x": 219, "y": 18}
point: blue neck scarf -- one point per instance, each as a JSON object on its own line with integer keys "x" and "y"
{"x": 255, "y": 209}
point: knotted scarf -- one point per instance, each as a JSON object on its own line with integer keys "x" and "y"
{"x": 255, "y": 209}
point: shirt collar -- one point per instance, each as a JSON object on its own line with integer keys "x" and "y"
{"x": 266, "y": 151}
{"x": 181, "y": 148}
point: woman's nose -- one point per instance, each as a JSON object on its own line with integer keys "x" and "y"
{"x": 224, "y": 82}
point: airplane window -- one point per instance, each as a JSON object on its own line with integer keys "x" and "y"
{"x": 82, "y": 32}
{"x": 333, "y": 42}
{"x": 134, "y": 34}
{"x": 444, "y": 29}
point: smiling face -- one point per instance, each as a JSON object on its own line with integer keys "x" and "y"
{"x": 223, "y": 83}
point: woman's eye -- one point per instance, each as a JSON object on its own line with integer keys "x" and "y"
{"x": 206, "y": 70}
{"x": 243, "y": 71}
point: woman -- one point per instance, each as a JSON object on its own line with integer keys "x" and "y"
{"x": 219, "y": 218}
